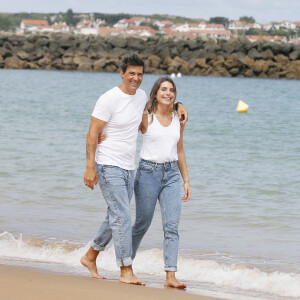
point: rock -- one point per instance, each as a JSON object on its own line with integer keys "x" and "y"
{"x": 1, "y": 62}
{"x": 198, "y": 72}
{"x": 267, "y": 54}
{"x": 110, "y": 68}
{"x": 82, "y": 60}
{"x": 232, "y": 61}
{"x": 32, "y": 66}
{"x": 5, "y": 53}
{"x": 117, "y": 42}
{"x": 23, "y": 55}
{"x": 211, "y": 46}
{"x": 153, "y": 61}
{"x": 134, "y": 43}
{"x": 231, "y": 46}
{"x": 293, "y": 71}
{"x": 173, "y": 52}
{"x": 201, "y": 63}
{"x": 254, "y": 54}
{"x": 295, "y": 55}
{"x": 7, "y": 45}
{"x": 249, "y": 73}
{"x": 285, "y": 48}
{"x": 14, "y": 62}
{"x": 234, "y": 71}
{"x": 99, "y": 64}
{"x": 118, "y": 52}
{"x": 281, "y": 58}
{"x": 57, "y": 64}
{"x": 150, "y": 70}
{"x": 260, "y": 66}
{"x": 67, "y": 60}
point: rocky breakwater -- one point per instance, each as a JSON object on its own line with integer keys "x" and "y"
{"x": 163, "y": 55}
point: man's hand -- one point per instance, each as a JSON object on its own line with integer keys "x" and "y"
{"x": 90, "y": 177}
{"x": 182, "y": 113}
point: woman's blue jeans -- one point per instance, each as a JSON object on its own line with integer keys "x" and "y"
{"x": 158, "y": 181}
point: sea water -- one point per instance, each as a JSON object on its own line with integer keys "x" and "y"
{"x": 239, "y": 233}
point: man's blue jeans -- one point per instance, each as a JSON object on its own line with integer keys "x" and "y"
{"x": 117, "y": 188}
{"x": 158, "y": 181}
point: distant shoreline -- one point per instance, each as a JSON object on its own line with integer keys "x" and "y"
{"x": 163, "y": 55}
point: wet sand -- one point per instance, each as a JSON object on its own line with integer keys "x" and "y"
{"x": 31, "y": 284}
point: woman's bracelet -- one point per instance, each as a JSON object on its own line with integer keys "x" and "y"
{"x": 186, "y": 180}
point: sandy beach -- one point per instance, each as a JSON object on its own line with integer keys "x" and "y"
{"x": 31, "y": 284}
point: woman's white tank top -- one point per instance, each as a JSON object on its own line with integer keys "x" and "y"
{"x": 160, "y": 142}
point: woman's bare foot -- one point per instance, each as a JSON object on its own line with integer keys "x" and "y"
{"x": 172, "y": 282}
{"x": 89, "y": 261}
{"x": 128, "y": 277}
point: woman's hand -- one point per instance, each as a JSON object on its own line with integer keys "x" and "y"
{"x": 187, "y": 192}
{"x": 101, "y": 138}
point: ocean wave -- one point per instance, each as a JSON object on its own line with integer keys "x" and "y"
{"x": 51, "y": 250}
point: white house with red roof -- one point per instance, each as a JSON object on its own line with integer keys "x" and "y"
{"x": 238, "y": 25}
{"x": 56, "y": 27}
{"x": 89, "y": 26}
{"x": 253, "y": 38}
{"x": 141, "y": 30}
{"x": 32, "y": 25}
{"x": 287, "y": 25}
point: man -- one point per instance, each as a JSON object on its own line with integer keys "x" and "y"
{"x": 118, "y": 114}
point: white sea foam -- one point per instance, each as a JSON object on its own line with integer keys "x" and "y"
{"x": 250, "y": 280}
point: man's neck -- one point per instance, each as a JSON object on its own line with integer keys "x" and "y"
{"x": 124, "y": 89}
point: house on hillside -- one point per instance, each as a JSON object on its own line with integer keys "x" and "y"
{"x": 139, "y": 20}
{"x": 141, "y": 30}
{"x": 215, "y": 27}
{"x": 287, "y": 25}
{"x": 253, "y": 38}
{"x": 89, "y": 26}
{"x": 56, "y": 27}
{"x": 124, "y": 23}
{"x": 254, "y": 25}
{"x": 110, "y": 31}
{"x": 218, "y": 34}
{"x": 32, "y": 25}
{"x": 238, "y": 25}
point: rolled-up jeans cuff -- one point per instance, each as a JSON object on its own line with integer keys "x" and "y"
{"x": 96, "y": 247}
{"x": 124, "y": 262}
{"x": 171, "y": 269}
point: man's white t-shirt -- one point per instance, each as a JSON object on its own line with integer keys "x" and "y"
{"x": 123, "y": 114}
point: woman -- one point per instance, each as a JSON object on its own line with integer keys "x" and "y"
{"x": 158, "y": 177}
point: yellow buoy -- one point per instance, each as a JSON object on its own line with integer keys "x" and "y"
{"x": 242, "y": 107}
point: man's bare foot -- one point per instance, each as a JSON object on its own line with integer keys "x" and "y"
{"x": 131, "y": 279}
{"x": 91, "y": 265}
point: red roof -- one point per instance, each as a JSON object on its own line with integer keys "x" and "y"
{"x": 215, "y": 25}
{"x": 36, "y": 22}
{"x": 108, "y": 30}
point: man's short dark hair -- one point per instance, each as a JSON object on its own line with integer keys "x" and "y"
{"x": 131, "y": 60}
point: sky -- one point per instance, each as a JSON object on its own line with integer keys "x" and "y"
{"x": 262, "y": 10}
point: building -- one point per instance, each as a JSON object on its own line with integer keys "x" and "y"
{"x": 32, "y": 25}
{"x": 89, "y": 26}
